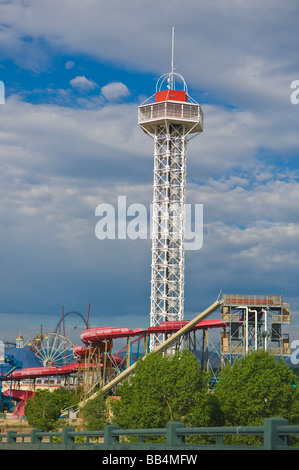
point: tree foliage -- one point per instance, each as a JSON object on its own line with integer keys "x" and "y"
{"x": 94, "y": 413}
{"x": 257, "y": 387}
{"x": 174, "y": 388}
{"x": 43, "y": 410}
{"x": 164, "y": 388}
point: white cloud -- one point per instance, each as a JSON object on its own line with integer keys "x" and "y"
{"x": 55, "y": 165}
{"x": 115, "y": 91}
{"x": 240, "y": 53}
{"x": 82, "y": 83}
{"x": 58, "y": 163}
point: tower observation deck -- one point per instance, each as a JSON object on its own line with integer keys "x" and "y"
{"x": 170, "y": 118}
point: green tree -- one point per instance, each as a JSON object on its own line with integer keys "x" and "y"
{"x": 256, "y": 387}
{"x": 65, "y": 398}
{"x": 94, "y": 413}
{"x": 62, "y": 397}
{"x": 42, "y": 410}
{"x": 162, "y": 389}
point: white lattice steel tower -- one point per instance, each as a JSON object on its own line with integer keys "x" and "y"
{"x": 169, "y": 117}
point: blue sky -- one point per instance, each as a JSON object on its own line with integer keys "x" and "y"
{"x": 74, "y": 74}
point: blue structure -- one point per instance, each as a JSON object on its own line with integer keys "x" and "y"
{"x": 6, "y": 368}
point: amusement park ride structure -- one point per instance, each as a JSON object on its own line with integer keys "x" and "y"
{"x": 169, "y": 120}
{"x": 247, "y": 323}
{"x": 254, "y": 322}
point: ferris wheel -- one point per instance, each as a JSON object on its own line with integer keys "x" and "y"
{"x": 52, "y": 349}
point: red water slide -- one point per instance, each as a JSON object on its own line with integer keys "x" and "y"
{"x": 100, "y": 334}
{"x": 97, "y": 337}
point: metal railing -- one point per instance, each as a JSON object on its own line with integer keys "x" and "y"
{"x": 167, "y": 109}
{"x": 253, "y": 300}
{"x": 274, "y": 434}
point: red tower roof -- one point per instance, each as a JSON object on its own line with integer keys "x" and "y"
{"x": 172, "y": 95}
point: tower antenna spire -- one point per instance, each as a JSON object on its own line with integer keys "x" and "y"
{"x": 172, "y": 61}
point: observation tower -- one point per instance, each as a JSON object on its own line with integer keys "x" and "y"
{"x": 170, "y": 117}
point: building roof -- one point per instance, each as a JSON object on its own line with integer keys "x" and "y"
{"x": 28, "y": 358}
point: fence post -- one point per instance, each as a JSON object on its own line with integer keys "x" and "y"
{"x": 35, "y": 436}
{"x": 66, "y": 437}
{"x": 271, "y": 439}
{"x": 172, "y": 438}
{"x": 11, "y": 437}
{"x": 109, "y": 439}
